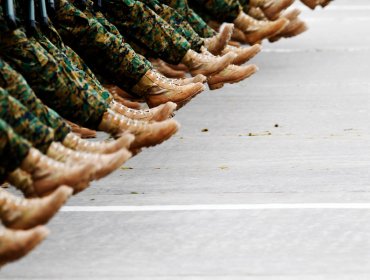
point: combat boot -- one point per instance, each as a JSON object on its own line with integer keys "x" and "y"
{"x": 20, "y": 213}
{"x": 294, "y": 28}
{"x": 272, "y": 8}
{"x": 243, "y": 54}
{"x": 180, "y": 67}
{"x": 312, "y": 4}
{"x": 159, "y": 113}
{"x": 104, "y": 164}
{"x": 238, "y": 36}
{"x": 183, "y": 81}
{"x": 218, "y": 42}
{"x": 146, "y": 134}
{"x": 193, "y": 80}
{"x": 257, "y": 30}
{"x": 256, "y": 13}
{"x": 74, "y": 142}
{"x": 23, "y": 182}
{"x": 324, "y": 3}
{"x": 15, "y": 244}
{"x": 47, "y": 174}
{"x": 206, "y": 65}
{"x": 83, "y": 132}
{"x": 232, "y": 74}
{"x": 157, "y": 91}
{"x": 167, "y": 71}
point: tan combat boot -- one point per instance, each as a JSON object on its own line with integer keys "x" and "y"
{"x": 179, "y": 67}
{"x": 243, "y": 54}
{"x": 324, "y": 3}
{"x": 205, "y": 64}
{"x": 272, "y": 8}
{"x": 104, "y": 164}
{"x": 23, "y": 182}
{"x": 232, "y": 74}
{"x": 74, "y": 142}
{"x": 48, "y": 174}
{"x": 19, "y": 213}
{"x": 157, "y": 91}
{"x": 83, "y": 132}
{"x": 238, "y": 36}
{"x": 159, "y": 113}
{"x": 294, "y": 28}
{"x": 183, "y": 81}
{"x": 218, "y": 42}
{"x": 165, "y": 70}
{"x": 257, "y": 30}
{"x": 146, "y": 134}
{"x": 15, "y": 244}
{"x": 193, "y": 80}
{"x": 256, "y": 13}
{"x": 311, "y": 3}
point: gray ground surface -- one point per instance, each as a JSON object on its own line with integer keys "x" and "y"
{"x": 316, "y": 88}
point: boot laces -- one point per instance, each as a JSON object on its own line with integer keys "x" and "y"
{"x": 144, "y": 113}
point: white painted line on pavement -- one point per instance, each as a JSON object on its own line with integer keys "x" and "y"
{"x": 216, "y": 207}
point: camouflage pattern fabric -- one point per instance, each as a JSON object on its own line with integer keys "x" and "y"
{"x": 75, "y": 61}
{"x": 18, "y": 88}
{"x": 196, "y": 22}
{"x": 141, "y": 25}
{"x": 217, "y": 10}
{"x": 105, "y": 53}
{"x": 55, "y": 85}
{"x": 13, "y": 150}
{"x": 179, "y": 23}
{"x": 24, "y": 123}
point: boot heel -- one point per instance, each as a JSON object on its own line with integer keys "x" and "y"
{"x": 215, "y": 86}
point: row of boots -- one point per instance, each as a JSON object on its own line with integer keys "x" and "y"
{"x": 67, "y": 168}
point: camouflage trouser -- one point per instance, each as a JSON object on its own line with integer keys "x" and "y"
{"x": 104, "y": 52}
{"x": 68, "y": 66}
{"x": 196, "y": 22}
{"x": 141, "y": 25}
{"x": 179, "y": 23}
{"x": 217, "y": 10}
{"x": 72, "y": 59}
{"x": 18, "y": 88}
{"x": 13, "y": 150}
{"x": 24, "y": 123}
{"x": 56, "y": 86}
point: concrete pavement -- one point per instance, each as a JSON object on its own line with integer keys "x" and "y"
{"x": 308, "y": 113}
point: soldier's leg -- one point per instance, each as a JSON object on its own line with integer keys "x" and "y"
{"x": 91, "y": 86}
{"x": 196, "y": 22}
{"x": 24, "y": 123}
{"x": 179, "y": 23}
{"x": 52, "y": 41}
{"x": 104, "y": 52}
{"x": 13, "y": 150}
{"x": 56, "y": 87}
{"x": 218, "y": 10}
{"x": 17, "y": 87}
{"x": 232, "y": 11}
{"x": 142, "y": 25}
{"x": 71, "y": 59}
